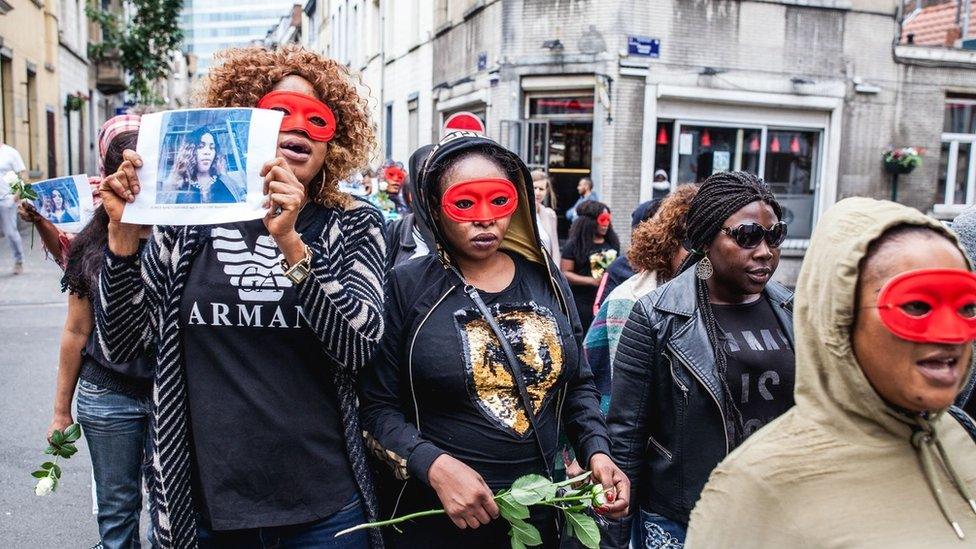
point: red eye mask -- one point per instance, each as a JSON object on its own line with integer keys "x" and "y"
{"x": 603, "y": 220}
{"x": 395, "y": 174}
{"x": 930, "y": 306}
{"x": 302, "y": 112}
{"x": 479, "y": 200}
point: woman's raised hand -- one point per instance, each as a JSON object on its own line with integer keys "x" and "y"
{"x": 465, "y": 496}
{"x": 285, "y": 197}
{"x": 121, "y": 187}
{"x": 117, "y": 190}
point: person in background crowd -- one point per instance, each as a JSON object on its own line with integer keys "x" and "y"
{"x": 408, "y": 237}
{"x": 256, "y": 433}
{"x": 11, "y": 161}
{"x": 661, "y": 185}
{"x": 704, "y": 360}
{"x": 546, "y": 216}
{"x": 869, "y": 456}
{"x": 113, "y": 398}
{"x": 369, "y": 181}
{"x": 656, "y": 252}
{"x": 440, "y": 402}
{"x": 591, "y": 248}
{"x": 57, "y": 242}
{"x": 388, "y": 198}
{"x": 586, "y": 192}
{"x": 965, "y": 227}
{"x": 621, "y": 269}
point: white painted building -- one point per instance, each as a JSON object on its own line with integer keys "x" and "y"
{"x": 73, "y": 82}
{"x": 389, "y": 45}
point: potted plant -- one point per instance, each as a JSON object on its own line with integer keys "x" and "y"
{"x": 902, "y": 160}
{"x": 75, "y": 102}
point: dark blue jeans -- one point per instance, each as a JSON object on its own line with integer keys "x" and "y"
{"x": 115, "y": 427}
{"x": 318, "y": 534}
{"x": 658, "y": 532}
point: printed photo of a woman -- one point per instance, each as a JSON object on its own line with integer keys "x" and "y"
{"x": 59, "y": 212}
{"x": 199, "y": 174}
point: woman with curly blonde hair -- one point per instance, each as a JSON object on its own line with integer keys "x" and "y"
{"x": 655, "y": 253}
{"x": 260, "y": 327}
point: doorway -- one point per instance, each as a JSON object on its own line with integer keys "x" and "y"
{"x": 570, "y": 154}
{"x": 560, "y": 141}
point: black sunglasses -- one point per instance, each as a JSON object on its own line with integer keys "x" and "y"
{"x": 749, "y": 235}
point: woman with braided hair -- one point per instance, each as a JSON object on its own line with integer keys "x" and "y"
{"x": 704, "y": 360}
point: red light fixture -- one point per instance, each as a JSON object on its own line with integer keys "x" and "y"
{"x": 795, "y": 145}
{"x": 662, "y": 136}
{"x": 706, "y": 139}
{"x": 754, "y": 143}
{"x": 774, "y": 145}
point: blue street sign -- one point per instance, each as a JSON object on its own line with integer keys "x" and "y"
{"x": 643, "y": 46}
{"x": 482, "y": 61}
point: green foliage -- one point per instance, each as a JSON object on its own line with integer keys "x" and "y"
{"x": 514, "y": 503}
{"x": 61, "y": 445}
{"x": 142, "y": 45}
{"x": 584, "y": 528}
{"x": 532, "y": 489}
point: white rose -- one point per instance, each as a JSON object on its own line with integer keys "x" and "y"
{"x": 383, "y": 186}
{"x": 598, "y": 496}
{"x": 44, "y": 486}
{"x": 10, "y": 178}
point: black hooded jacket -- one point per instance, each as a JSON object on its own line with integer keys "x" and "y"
{"x": 401, "y": 244}
{"x": 437, "y": 385}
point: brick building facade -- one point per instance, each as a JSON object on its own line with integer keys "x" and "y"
{"x": 805, "y": 93}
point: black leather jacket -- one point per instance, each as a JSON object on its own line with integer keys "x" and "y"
{"x": 665, "y": 420}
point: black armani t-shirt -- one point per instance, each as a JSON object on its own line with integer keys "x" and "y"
{"x": 267, "y": 439}
{"x": 760, "y": 362}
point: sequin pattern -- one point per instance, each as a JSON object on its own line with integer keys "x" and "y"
{"x": 533, "y": 332}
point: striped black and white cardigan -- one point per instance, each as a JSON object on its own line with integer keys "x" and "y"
{"x": 139, "y": 306}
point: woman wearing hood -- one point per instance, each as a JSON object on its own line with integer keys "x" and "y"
{"x": 456, "y": 413}
{"x": 869, "y": 456}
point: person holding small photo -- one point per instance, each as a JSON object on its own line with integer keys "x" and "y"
{"x": 260, "y": 326}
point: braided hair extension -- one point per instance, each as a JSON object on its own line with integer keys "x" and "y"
{"x": 718, "y": 198}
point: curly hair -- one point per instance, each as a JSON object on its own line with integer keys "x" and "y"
{"x": 656, "y": 240}
{"x": 242, "y": 76}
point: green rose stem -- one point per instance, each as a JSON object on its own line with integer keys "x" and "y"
{"x": 584, "y": 495}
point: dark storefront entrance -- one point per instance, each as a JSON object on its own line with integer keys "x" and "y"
{"x": 560, "y": 141}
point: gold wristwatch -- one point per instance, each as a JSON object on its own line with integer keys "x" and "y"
{"x": 298, "y": 272}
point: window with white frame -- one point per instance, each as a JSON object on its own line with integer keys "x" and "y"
{"x": 957, "y": 161}
{"x": 787, "y": 158}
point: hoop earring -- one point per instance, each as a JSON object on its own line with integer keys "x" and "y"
{"x": 704, "y": 270}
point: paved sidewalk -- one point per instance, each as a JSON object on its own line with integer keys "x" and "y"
{"x": 41, "y": 281}
{"x": 32, "y": 311}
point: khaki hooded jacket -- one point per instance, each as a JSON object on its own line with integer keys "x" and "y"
{"x": 842, "y": 468}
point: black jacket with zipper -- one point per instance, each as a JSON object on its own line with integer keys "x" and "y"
{"x": 666, "y": 423}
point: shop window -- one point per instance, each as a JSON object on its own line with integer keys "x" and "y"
{"x": 957, "y": 159}
{"x": 787, "y": 159}
{"x": 561, "y": 106}
{"x": 960, "y": 115}
{"x": 790, "y": 171}
{"x": 663, "y": 145}
{"x": 704, "y": 150}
